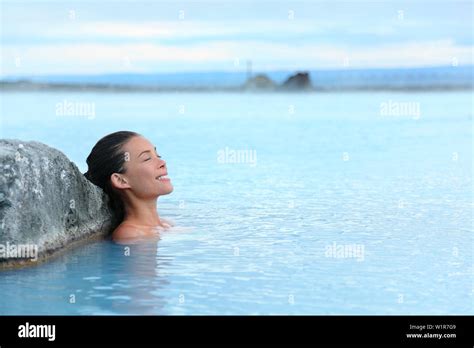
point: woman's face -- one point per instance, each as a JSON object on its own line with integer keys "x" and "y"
{"x": 145, "y": 172}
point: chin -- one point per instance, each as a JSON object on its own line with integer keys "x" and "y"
{"x": 167, "y": 191}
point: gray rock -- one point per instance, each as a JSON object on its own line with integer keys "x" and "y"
{"x": 260, "y": 82}
{"x": 300, "y": 81}
{"x": 45, "y": 203}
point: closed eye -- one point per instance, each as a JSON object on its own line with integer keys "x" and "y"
{"x": 150, "y": 158}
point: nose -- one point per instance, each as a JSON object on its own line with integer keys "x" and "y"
{"x": 161, "y": 163}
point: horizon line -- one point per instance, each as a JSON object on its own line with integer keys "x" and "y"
{"x": 241, "y": 71}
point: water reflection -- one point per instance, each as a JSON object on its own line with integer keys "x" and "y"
{"x": 123, "y": 279}
{"x": 136, "y": 277}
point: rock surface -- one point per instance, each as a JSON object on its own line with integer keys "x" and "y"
{"x": 260, "y": 82}
{"x": 298, "y": 82}
{"x": 45, "y": 201}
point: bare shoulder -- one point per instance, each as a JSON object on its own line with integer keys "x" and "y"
{"x": 126, "y": 232}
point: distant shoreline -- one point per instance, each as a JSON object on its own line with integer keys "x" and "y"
{"x": 22, "y": 86}
{"x": 443, "y": 78}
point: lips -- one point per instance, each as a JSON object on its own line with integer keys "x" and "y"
{"x": 163, "y": 177}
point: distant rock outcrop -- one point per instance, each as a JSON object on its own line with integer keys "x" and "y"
{"x": 299, "y": 81}
{"x": 260, "y": 82}
{"x": 45, "y": 203}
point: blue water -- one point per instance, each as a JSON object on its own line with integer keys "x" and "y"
{"x": 253, "y": 237}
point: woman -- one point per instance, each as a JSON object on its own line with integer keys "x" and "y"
{"x": 128, "y": 168}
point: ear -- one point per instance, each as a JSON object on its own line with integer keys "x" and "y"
{"x": 118, "y": 181}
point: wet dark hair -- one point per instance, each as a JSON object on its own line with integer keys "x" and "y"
{"x": 107, "y": 157}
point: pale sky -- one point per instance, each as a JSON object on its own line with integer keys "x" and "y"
{"x": 92, "y": 37}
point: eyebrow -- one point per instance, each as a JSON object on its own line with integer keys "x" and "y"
{"x": 145, "y": 151}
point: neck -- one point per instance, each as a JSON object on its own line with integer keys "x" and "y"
{"x": 142, "y": 212}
